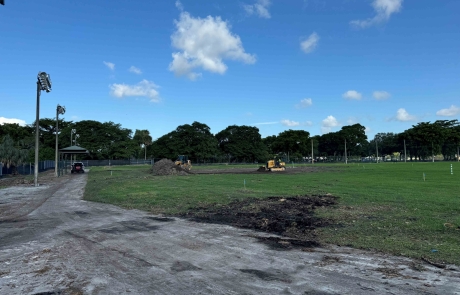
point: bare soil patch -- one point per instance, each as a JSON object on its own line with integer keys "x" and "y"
{"x": 44, "y": 178}
{"x": 291, "y": 217}
{"x": 167, "y": 167}
{"x": 254, "y": 170}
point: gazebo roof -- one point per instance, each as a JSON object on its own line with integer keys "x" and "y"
{"x": 74, "y": 150}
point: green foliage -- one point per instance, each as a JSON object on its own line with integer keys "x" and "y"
{"x": 143, "y": 139}
{"x": 295, "y": 142}
{"x": 242, "y": 143}
{"x": 11, "y": 153}
{"x": 196, "y": 141}
{"x": 103, "y": 140}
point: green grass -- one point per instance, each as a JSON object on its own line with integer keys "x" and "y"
{"x": 385, "y": 207}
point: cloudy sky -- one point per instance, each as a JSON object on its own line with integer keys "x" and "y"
{"x": 312, "y": 65}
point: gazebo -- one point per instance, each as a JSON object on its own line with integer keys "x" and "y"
{"x": 71, "y": 150}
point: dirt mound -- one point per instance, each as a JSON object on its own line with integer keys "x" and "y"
{"x": 167, "y": 167}
{"x": 287, "y": 216}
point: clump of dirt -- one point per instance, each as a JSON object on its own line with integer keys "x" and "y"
{"x": 167, "y": 167}
{"x": 286, "y": 216}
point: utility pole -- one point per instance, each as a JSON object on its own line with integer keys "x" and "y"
{"x": 458, "y": 155}
{"x": 346, "y": 159}
{"x": 377, "y": 150}
{"x": 405, "y": 151}
{"x": 312, "y": 159}
{"x": 59, "y": 110}
{"x": 37, "y": 134}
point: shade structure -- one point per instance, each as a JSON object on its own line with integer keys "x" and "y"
{"x": 73, "y": 150}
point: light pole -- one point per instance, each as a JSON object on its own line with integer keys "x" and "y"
{"x": 43, "y": 83}
{"x": 59, "y": 110}
{"x": 72, "y": 132}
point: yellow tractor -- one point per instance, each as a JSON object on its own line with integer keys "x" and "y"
{"x": 183, "y": 162}
{"x": 273, "y": 165}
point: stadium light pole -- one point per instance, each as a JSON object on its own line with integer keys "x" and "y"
{"x": 59, "y": 110}
{"x": 43, "y": 83}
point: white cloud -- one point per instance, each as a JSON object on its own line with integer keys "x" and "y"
{"x": 290, "y": 123}
{"x": 309, "y": 44}
{"x": 4, "y": 120}
{"x": 265, "y": 123}
{"x": 452, "y": 111}
{"x": 179, "y": 5}
{"x": 304, "y": 103}
{"x": 308, "y": 123}
{"x": 368, "y": 130}
{"x": 135, "y": 70}
{"x": 205, "y": 43}
{"x": 381, "y": 95}
{"x": 383, "y": 9}
{"x": 260, "y": 8}
{"x": 352, "y": 94}
{"x": 144, "y": 88}
{"x": 328, "y": 123}
{"x": 109, "y": 65}
{"x": 403, "y": 115}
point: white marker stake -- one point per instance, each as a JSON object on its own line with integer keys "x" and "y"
{"x": 423, "y": 176}
{"x": 451, "y": 171}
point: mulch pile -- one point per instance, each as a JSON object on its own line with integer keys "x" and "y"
{"x": 167, "y": 167}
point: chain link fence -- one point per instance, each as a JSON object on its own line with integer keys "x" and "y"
{"x": 28, "y": 168}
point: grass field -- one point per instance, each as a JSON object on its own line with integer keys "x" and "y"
{"x": 386, "y": 207}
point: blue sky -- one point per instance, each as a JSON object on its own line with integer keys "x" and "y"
{"x": 313, "y": 65}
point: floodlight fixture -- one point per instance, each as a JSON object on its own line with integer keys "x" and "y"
{"x": 60, "y": 110}
{"x": 45, "y": 81}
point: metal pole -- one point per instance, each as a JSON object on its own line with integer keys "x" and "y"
{"x": 312, "y": 161}
{"x": 405, "y": 151}
{"x": 346, "y": 160}
{"x": 377, "y": 150}
{"x": 56, "y": 159}
{"x": 432, "y": 151}
{"x": 37, "y": 135}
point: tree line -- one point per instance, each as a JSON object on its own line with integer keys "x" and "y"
{"x": 235, "y": 143}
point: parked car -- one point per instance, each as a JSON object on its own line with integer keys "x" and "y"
{"x": 77, "y": 167}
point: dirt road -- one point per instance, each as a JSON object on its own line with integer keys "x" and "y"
{"x": 53, "y": 242}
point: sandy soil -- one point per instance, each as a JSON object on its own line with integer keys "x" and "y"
{"x": 53, "y": 242}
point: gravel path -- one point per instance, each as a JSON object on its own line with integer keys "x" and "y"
{"x": 53, "y": 242}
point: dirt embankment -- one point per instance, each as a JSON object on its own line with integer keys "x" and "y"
{"x": 292, "y": 217}
{"x": 167, "y": 167}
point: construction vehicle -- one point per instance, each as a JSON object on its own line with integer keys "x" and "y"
{"x": 273, "y": 165}
{"x": 183, "y": 162}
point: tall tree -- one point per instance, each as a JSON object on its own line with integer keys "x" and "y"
{"x": 356, "y": 139}
{"x": 295, "y": 143}
{"x": 143, "y": 139}
{"x": 11, "y": 153}
{"x": 242, "y": 143}
{"x": 195, "y": 140}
